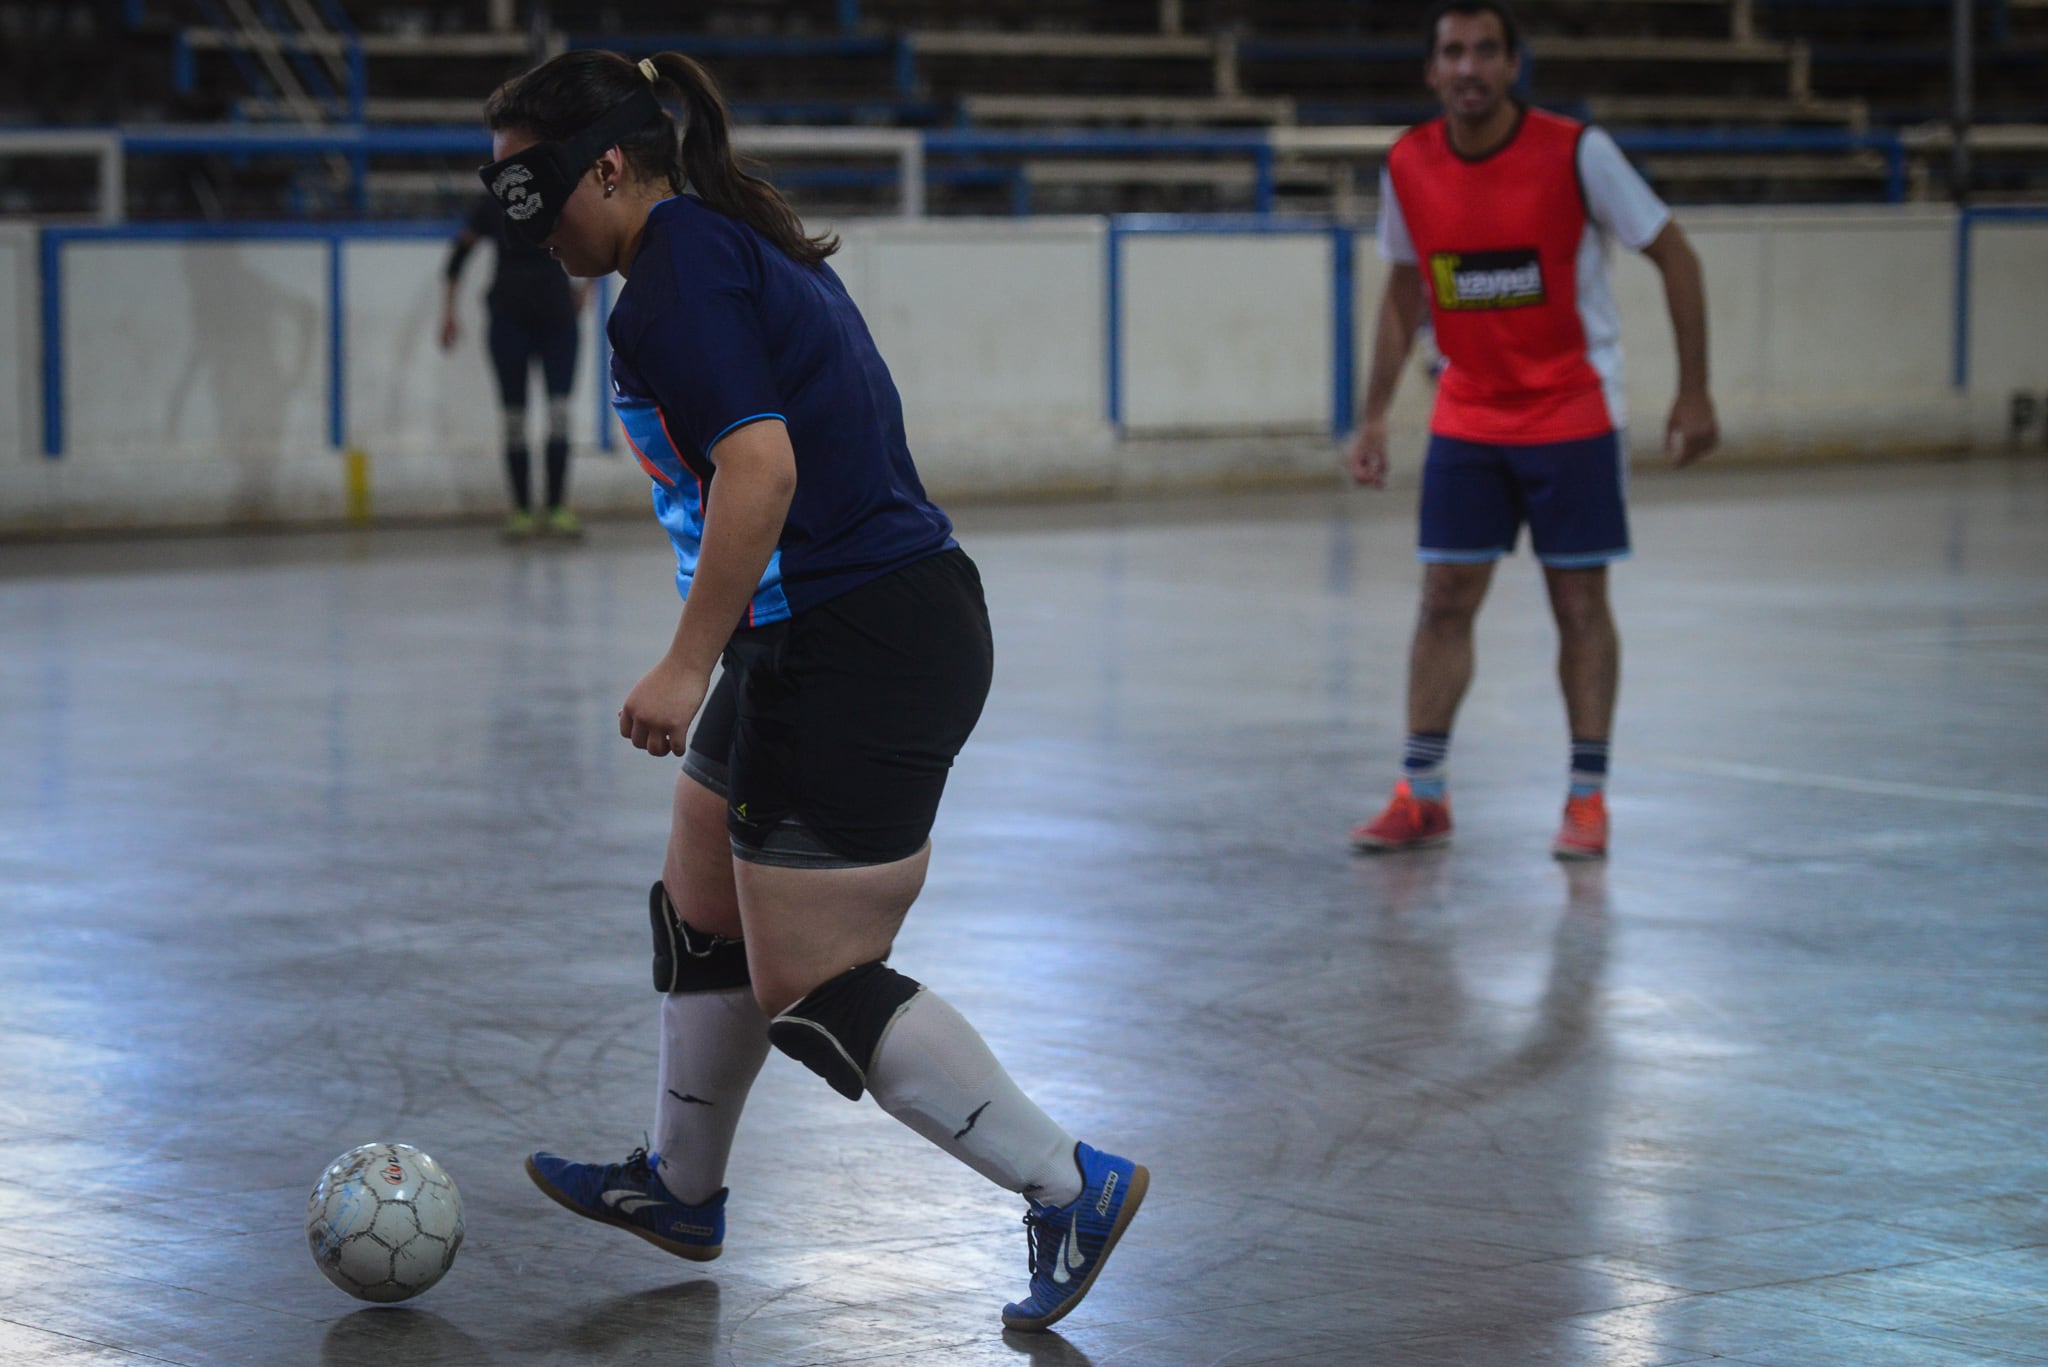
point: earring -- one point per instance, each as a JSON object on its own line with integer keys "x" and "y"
{"x": 608, "y": 189}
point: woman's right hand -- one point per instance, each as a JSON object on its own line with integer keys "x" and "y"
{"x": 657, "y": 713}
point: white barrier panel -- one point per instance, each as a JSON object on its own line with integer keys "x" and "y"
{"x": 2008, "y": 338}
{"x": 993, "y": 332}
{"x": 1226, "y": 332}
{"x": 428, "y": 418}
{"x": 197, "y": 378}
{"x": 1817, "y": 322}
{"x": 20, "y": 359}
{"x": 195, "y": 382}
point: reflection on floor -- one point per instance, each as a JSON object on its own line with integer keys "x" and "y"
{"x": 307, "y": 841}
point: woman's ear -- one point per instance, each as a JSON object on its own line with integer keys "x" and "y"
{"x": 610, "y": 171}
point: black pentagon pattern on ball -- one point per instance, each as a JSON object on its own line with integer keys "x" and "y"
{"x": 393, "y": 1250}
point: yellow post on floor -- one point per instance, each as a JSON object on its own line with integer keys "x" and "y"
{"x": 356, "y": 476}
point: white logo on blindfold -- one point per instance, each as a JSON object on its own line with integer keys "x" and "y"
{"x": 510, "y": 190}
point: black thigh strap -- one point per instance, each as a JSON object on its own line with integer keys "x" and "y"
{"x": 688, "y": 960}
{"x": 835, "y": 1030}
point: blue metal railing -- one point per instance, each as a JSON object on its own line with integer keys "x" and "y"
{"x": 961, "y": 155}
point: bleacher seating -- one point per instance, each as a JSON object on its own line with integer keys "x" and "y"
{"x": 1745, "y": 70}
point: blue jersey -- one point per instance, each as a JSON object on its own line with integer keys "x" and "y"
{"x": 715, "y": 329}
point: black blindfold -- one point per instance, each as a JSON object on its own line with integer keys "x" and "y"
{"x": 531, "y": 186}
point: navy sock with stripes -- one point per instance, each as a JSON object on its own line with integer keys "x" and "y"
{"x": 1423, "y": 762}
{"x": 1589, "y": 767}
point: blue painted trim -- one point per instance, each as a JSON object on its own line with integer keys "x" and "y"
{"x": 2011, "y": 212}
{"x": 906, "y": 68}
{"x": 1433, "y": 557}
{"x": 358, "y": 79}
{"x": 1330, "y": 50}
{"x": 1217, "y": 223}
{"x": 606, "y": 441}
{"x": 286, "y": 230}
{"x": 1966, "y": 222}
{"x": 739, "y": 45}
{"x": 754, "y": 417}
{"x": 1760, "y": 140}
{"x": 1586, "y": 560}
{"x": 337, "y": 18}
{"x": 883, "y": 111}
{"x": 973, "y": 141}
{"x": 230, "y": 139}
{"x": 1113, "y": 326}
{"x": 1343, "y": 330}
{"x": 53, "y": 343}
{"x": 337, "y": 366}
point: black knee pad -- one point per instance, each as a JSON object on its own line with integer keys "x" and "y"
{"x": 687, "y": 960}
{"x": 834, "y": 1031}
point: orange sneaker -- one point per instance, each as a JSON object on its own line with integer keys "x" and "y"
{"x": 1584, "y": 832}
{"x": 1408, "y": 823}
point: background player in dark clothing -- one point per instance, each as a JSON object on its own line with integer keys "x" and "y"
{"x": 533, "y": 307}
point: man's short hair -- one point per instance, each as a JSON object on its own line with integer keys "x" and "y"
{"x": 1496, "y": 8}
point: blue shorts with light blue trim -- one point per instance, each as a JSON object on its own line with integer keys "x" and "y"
{"x": 1572, "y": 494}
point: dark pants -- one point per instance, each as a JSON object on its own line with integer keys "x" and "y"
{"x": 515, "y": 344}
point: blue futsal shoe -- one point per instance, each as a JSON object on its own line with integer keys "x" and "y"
{"x": 631, "y": 1196}
{"x": 1069, "y": 1244}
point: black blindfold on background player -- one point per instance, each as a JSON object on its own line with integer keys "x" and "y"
{"x": 531, "y": 186}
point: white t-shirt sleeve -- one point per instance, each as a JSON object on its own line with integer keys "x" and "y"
{"x": 1618, "y": 198}
{"x": 1392, "y": 233}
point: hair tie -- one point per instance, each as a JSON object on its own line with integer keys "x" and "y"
{"x": 647, "y": 70}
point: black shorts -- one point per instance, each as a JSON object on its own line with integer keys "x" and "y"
{"x": 830, "y": 734}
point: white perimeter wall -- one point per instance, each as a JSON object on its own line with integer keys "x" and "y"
{"x": 196, "y": 376}
{"x": 20, "y": 353}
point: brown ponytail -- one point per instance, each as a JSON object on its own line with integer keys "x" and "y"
{"x": 566, "y": 94}
{"x": 720, "y": 179}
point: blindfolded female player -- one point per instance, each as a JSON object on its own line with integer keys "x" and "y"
{"x": 857, "y": 657}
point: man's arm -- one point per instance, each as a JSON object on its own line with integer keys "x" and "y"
{"x": 1402, "y": 309}
{"x": 1692, "y": 430}
{"x": 451, "y": 277}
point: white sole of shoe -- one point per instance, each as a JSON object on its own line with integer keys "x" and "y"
{"x": 696, "y": 1253}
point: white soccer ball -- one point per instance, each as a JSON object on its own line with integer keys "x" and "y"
{"x": 384, "y": 1222}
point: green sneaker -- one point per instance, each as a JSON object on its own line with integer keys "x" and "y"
{"x": 519, "y": 526}
{"x": 562, "y": 522}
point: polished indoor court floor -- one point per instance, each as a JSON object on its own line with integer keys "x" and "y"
{"x": 312, "y": 840}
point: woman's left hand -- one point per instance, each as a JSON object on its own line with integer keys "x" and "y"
{"x": 657, "y": 714}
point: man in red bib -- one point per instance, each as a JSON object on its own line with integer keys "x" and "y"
{"x": 1497, "y": 216}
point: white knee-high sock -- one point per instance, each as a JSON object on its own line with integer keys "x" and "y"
{"x": 712, "y": 1046}
{"x": 933, "y": 1072}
